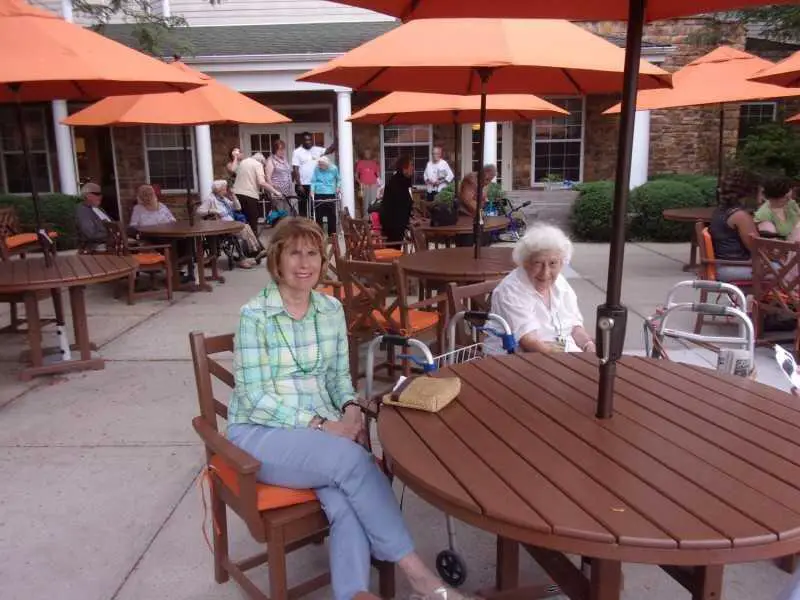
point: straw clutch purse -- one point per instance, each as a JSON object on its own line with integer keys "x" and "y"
{"x": 430, "y": 394}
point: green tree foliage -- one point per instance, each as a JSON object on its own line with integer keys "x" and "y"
{"x": 772, "y": 147}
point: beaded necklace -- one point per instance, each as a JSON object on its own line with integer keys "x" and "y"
{"x": 304, "y": 370}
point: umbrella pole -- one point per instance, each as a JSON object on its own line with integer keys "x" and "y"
{"x": 721, "y": 150}
{"x": 612, "y": 316}
{"x": 457, "y": 167}
{"x": 187, "y": 168}
{"x": 44, "y": 240}
{"x": 477, "y": 226}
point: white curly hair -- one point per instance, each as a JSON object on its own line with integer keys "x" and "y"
{"x": 540, "y": 238}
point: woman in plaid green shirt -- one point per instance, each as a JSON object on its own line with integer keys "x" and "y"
{"x": 293, "y": 409}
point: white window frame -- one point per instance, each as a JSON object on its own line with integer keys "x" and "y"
{"x": 507, "y": 176}
{"x": 383, "y": 146}
{"x": 192, "y": 153}
{"x": 772, "y": 104}
{"x": 539, "y": 185}
{"x": 46, "y": 152}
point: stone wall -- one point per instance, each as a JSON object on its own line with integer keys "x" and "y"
{"x": 131, "y": 170}
{"x": 223, "y": 139}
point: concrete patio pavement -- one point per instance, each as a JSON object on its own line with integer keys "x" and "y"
{"x": 100, "y": 497}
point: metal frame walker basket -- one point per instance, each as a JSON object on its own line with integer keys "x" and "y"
{"x": 656, "y": 329}
{"x": 449, "y": 563}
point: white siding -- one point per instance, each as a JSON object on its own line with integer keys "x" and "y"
{"x": 201, "y": 13}
{"x": 55, "y": 7}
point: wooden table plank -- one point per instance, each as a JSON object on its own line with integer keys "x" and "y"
{"x": 547, "y": 500}
{"x": 492, "y": 494}
{"x": 79, "y": 267}
{"x": 394, "y": 432}
{"x": 640, "y": 481}
{"x": 719, "y": 500}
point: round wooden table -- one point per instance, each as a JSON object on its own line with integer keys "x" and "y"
{"x": 461, "y": 227}
{"x": 29, "y": 276}
{"x": 183, "y": 230}
{"x": 693, "y": 471}
{"x": 690, "y": 215}
{"x": 459, "y": 264}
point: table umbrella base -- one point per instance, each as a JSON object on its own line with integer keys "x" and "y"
{"x": 52, "y": 354}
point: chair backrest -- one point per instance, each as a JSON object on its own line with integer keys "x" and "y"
{"x": 707, "y": 270}
{"x": 418, "y": 238}
{"x": 376, "y": 297}
{"x": 776, "y": 272}
{"x": 475, "y": 296}
{"x": 9, "y": 221}
{"x": 116, "y": 238}
{"x": 205, "y": 366}
{"x": 358, "y": 240}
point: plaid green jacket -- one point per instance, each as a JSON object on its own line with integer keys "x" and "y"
{"x": 286, "y": 370}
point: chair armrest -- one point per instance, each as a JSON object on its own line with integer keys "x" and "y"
{"x": 726, "y": 263}
{"x": 435, "y": 301}
{"x": 239, "y": 460}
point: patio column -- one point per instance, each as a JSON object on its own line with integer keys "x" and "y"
{"x": 344, "y": 130}
{"x": 641, "y": 149}
{"x": 205, "y": 160}
{"x": 490, "y": 145}
{"x": 67, "y": 173}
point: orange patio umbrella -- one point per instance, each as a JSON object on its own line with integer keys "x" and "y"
{"x": 786, "y": 73}
{"x": 515, "y": 56}
{"x": 719, "y": 77}
{"x": 45, "y": 58}
{"x": 612, "y": 316}
{"x": 213, "y": 103}
{"x": 408, "y": 108}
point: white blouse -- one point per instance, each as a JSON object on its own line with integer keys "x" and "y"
{"x": 517, "y": 301}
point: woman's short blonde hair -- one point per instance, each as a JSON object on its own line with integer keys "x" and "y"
{"x": 540, "y": 238}
{"x": 289, "y": 232}
{"x": 145, "y": 192}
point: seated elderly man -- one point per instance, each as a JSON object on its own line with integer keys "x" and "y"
{"x": 90, "y": 218}
{"x": 537, "y": 301}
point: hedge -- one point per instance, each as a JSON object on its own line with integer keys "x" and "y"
{"x": 707, "y": 184}
{"x": 57, "y": 212}
{"x": 591, "y": 213}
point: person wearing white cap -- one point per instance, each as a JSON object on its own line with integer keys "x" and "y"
{"x": 325, "y": 189}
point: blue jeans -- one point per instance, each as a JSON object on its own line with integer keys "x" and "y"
{"x": 356, "y": 496}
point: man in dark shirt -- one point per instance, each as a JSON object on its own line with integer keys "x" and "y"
{"x": 90, "y": 218}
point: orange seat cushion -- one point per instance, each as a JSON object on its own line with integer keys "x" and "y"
{"x": 419, "y": 320}
{"x": 387, "y": 254}
{"x": 23, "y": 239}
{"x": 268, "y": 497}
{"x": 146, "y": 259}
{"x": 328, "y": 290}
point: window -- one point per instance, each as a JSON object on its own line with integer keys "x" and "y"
{"x": 753, "y": 114}
{"x": 13, "y": 174}
{"x": 411, "y": 140}
{"x": 558, "y": 143}
{"x": 166, "y": 159}
{"x": 476, "y": 163}
{"x": 262, "y": 142}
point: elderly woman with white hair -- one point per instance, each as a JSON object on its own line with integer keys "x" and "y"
{"x": 219, "y": 204}
{"x": 537, "y": 301}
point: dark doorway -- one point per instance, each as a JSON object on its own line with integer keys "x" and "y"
{"x": 95, "y": 156}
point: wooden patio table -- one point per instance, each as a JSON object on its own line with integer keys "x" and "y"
{"x": 693, "y": 471}
{"x": 463, "y": 226}
{"x": 183, "y": 230}
{"x": 690, "y": 215}
{"x": 74, "y": 272}
{"x": 458, "y": 264}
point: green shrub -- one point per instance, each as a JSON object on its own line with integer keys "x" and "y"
{"x": 773, "y": 147}
{"x": 591, "y": 213}
{"x": 57, "y": 212}
{"x": 649, "y": 201}
{"x": 707, "y": 184}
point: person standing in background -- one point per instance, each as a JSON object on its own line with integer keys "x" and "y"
{"x": 250, "y": 180}
{"x": 437, "y": 173}
{"x": 279, "y": 175}
{"x": 304, "y": 161}
{"x": 325, "y": 189}
{"x": 368, "y": 178}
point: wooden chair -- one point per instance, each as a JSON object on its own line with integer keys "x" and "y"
{"x": 16, "y": 240}
{"x": 283, "y": 519}
{"x": 329, "y": 283}
{"x": 361, "y": 243}
{"x": 707, "y": 270}
{"x": 376, "y": 302}
{"x": 13, "y": 300}
{"x": 776, "y": 284}
{"x": 474, "y": 296}
{"x": 151, "y": 259}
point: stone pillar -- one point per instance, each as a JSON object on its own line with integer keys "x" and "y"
{"x": 67, "y": 173}
{"x": 344, "y": 130}
{"x": 641, "y": 149}
{"x": 490, "y": 145}
{"x": 205, "y": 160}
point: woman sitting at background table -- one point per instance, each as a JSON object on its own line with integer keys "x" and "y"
{"x": 148, "y": 210}
{"x": 732, "y": 226}
{"x": 293, "y": 408}
{"x": 779, "y": 215}
{"x": 537, "y": 301}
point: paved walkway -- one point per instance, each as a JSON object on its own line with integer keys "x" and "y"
{"x": 99, "y": 499}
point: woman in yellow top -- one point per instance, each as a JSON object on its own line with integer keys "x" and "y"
{"x": 780, "y": 214}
